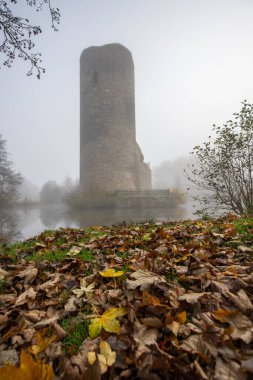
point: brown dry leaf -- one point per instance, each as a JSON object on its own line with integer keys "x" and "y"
{"x": 28, "y": 295}
{"x": 3, "y": 274}
{"x": 200, "y": 370}
{"x": 152, "y": 322}
{"x": 144, "y": 280}
{"x": 148, "y": 299}
{"x": 197, "y": 345}
{"x": 8, "y": 356}
{"x": 192, "y": 297}
{"x": 174, "y": 323}
{"x": 241, "y": 300}
{"x": 35, "y": 315}
{"x": 3, "y": 319}
{"x": 144, "y": 337}
{"x": 59, "y": 331}
{"x": 45, "y": 322}
{"x": 49, "y": 284}
{"x": 228, "y": 370}
{"x": 28, "y": 274}
{"x": 244, "y": 249}
{"x": 115, "y": 293}
{"x": 241, "y": 325}
{"x": 8, "y": 298}
{"x": 70, "y": 305}
{"x": 224, "y": 315}
{"x": 29, "y": 369}
{"x": 213, "y": 283}
{"x": 247, "y": 364}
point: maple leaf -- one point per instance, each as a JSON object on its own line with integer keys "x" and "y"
{"x": 106, "y": 357}
{"x": 108, "y": 321}
{"x": 84, "y": 289}
{"x": 29, "y": 369}
{"x": 109, "y": 272}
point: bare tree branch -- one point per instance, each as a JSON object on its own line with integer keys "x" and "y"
{"x": 223, "y": 173}
{"x": 17, "y": 33}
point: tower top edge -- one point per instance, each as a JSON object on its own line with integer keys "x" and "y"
{"x": 113, "y": 47}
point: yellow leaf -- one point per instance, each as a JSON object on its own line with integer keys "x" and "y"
{"x": 146, "y": 237}
{"x": 29, "y": 369}
{"x": 110, "y": 355}
{"x": 95, "y": 327}
{"x": 182, "y": 258}
{"x": 42, "y": 343}
{"x": 108, "y": 321}
{"x": 111, "y": 325}
{"x": 106, "y": 357}
{"x": 114, "y": 312}
{"x": 102, "y": 363}
{"x": 109, "y": 272}
{"x": 91, "y": 357}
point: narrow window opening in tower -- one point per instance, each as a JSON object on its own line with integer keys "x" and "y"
{"x": 95, "y": 77}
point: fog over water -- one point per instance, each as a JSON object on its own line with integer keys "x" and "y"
{"x": 23, "y": 223}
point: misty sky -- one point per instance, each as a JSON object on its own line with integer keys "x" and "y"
{"x": 193, "y": 66}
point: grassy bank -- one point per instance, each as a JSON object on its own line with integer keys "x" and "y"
{"x": 149, "y": 301}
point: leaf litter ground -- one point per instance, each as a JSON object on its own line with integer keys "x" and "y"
{"x": 149, "y": 301}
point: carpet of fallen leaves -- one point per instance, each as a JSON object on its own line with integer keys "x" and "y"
{"x": 150, "y": 301}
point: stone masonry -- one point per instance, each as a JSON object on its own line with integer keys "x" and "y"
{"x": 110, "y": 158}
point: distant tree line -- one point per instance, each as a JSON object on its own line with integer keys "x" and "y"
{"x": 52, "y": 193}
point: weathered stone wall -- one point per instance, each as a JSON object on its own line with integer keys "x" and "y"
{"x": 110, "y": 158}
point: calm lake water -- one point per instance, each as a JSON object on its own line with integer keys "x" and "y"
{"x": 22, "y": 223}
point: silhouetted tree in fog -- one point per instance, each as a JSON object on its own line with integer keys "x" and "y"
{"x": 223, "y": 171}
{"x": 9, "y": 179}
{"x": 16, "y": 33}
{"x": 51, "y": 193}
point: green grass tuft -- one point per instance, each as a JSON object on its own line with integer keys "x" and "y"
{"x": 77, "y": 331}
{"x": 244, "y": 228}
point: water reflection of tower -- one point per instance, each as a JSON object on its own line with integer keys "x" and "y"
{"x": 51, "y": 216}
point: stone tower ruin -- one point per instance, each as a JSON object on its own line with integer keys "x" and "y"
{"x": 110, "y": 158}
